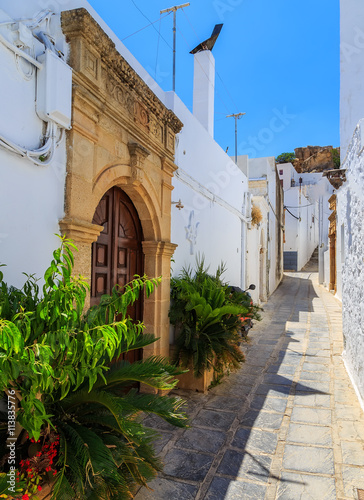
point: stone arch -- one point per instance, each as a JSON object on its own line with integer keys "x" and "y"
{"x": 122, "y": 135}
{"x": 157, "y": 249}
{"x": 143, "y": 196}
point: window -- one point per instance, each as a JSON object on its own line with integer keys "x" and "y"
{"x": 282, "y": 182}
{"x": 281, "y": 172}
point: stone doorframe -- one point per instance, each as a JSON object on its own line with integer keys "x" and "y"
{"x": 332, "y": 239}
{"x": 122, "y": 135}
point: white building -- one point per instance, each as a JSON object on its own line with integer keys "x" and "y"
{"x": 351, "y": 70}
{"x": 264, "y": 252}
{"x": 350, "y": 205}
{"x": 33, "y": 147}
{"x": 306, "y": 217}
{"x": 212, "y": 189}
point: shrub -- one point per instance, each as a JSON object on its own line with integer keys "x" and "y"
{"x": 256, "y": 215}
{"x": 285, "y": 158}
{"x": 206, "y": 320}
{"x": 55, "y": 363}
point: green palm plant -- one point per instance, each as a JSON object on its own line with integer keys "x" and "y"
{"x": 104, "y": 448}
{"x": 55, "y": 363}
{"x": 206, "y": 322}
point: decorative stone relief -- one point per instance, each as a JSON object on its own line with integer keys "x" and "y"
{"x": 117, "y": 92}
{"x": 138, "y": 154}
{"x": 191, "y": 231}
{"x": 141, "y": 116}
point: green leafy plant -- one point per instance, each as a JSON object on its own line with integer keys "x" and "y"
{"x": 207, "y": 322}
{"x": 55, "y": 360}
{"x": 336, "y": 157}
{"x": 286, "y": 158}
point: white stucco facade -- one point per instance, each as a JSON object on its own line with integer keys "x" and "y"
{"x": 351, "y": 69}
{"x": 32, "y": 195}
{"x": 212, "y": 190}
{"x": 264, "y": 256}
{"x": 350, "y": 251}
{"x": 306, "y": 216}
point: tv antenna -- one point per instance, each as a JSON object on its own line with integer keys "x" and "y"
{"x": 237, "y": 117}
{"x": 174, "y": 10}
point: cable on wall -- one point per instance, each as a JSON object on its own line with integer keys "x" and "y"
{"x": 43, "y": 155}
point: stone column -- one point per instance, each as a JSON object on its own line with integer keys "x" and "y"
{"x": 83, "y": 234}
{"x": 156, "y": 308}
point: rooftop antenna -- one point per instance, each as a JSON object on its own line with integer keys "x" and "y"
{"x": 174, "y": 10}
{"x": 237, "y": 117}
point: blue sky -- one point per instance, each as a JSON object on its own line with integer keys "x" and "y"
{"x": 277, "y": 61}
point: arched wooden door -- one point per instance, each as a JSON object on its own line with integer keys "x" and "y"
{"x": 117, "y": 254}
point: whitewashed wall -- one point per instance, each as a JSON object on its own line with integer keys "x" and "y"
{"x": 266, "y": 167}
{"x": 351, "y": 69}
{"x": 31, "y": 199}
{"x": 312, "y": 207}
{"x": 210, "y": 185}
{"x": 212, "y": 190}
{"x": 350, "y": 208}
{"x": 257, "y": 271}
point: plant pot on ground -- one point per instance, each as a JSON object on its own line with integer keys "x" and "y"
{"x": 207, "y": 322}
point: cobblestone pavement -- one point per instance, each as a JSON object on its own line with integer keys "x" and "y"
{"x": 287, "y": 426}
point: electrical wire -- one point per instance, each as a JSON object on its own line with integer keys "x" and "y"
{"x": 298, "y": 218}
{"x": 302, "y": 206}
{"x": 41, "y": 156}
{"x": 156, "y": 57}
{"x": 151, "y": 23}
{"x": 147, "y": 26}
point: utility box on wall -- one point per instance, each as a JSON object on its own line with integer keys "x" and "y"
{"x": 54, "y": 90}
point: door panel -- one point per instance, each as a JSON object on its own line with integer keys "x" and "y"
{"x": 117, "y": 254}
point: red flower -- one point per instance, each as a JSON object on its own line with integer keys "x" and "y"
{"x": 25, "y": 497}
{"x": 39, "y": 487}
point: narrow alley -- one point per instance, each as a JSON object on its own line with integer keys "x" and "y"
{"x": 287, "y": 426}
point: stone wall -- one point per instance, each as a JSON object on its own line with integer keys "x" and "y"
{"x": 350, "y": 209}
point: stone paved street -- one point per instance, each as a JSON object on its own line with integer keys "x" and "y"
{"x": 287, "y": 426}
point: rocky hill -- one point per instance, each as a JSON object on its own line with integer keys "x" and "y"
{"x": 316, "y": 159}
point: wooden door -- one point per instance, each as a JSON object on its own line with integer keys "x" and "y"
{"x": 117, "y": 254}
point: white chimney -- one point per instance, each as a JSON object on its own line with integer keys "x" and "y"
{"x": 204, "y": 89}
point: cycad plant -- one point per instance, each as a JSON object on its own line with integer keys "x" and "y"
{"x": 206, "y": 322}
{"x": 78, "y": 422}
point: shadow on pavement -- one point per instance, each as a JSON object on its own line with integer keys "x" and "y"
{"x": 234, "y": 429}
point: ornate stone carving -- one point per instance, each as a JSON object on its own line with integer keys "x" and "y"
{"x": 119, "y": 93}
{"x": 78, "y": 23}
{"x": 138, "y": 154}
{"x": 141, "y": 116}
{"x": 156, "y": 128}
